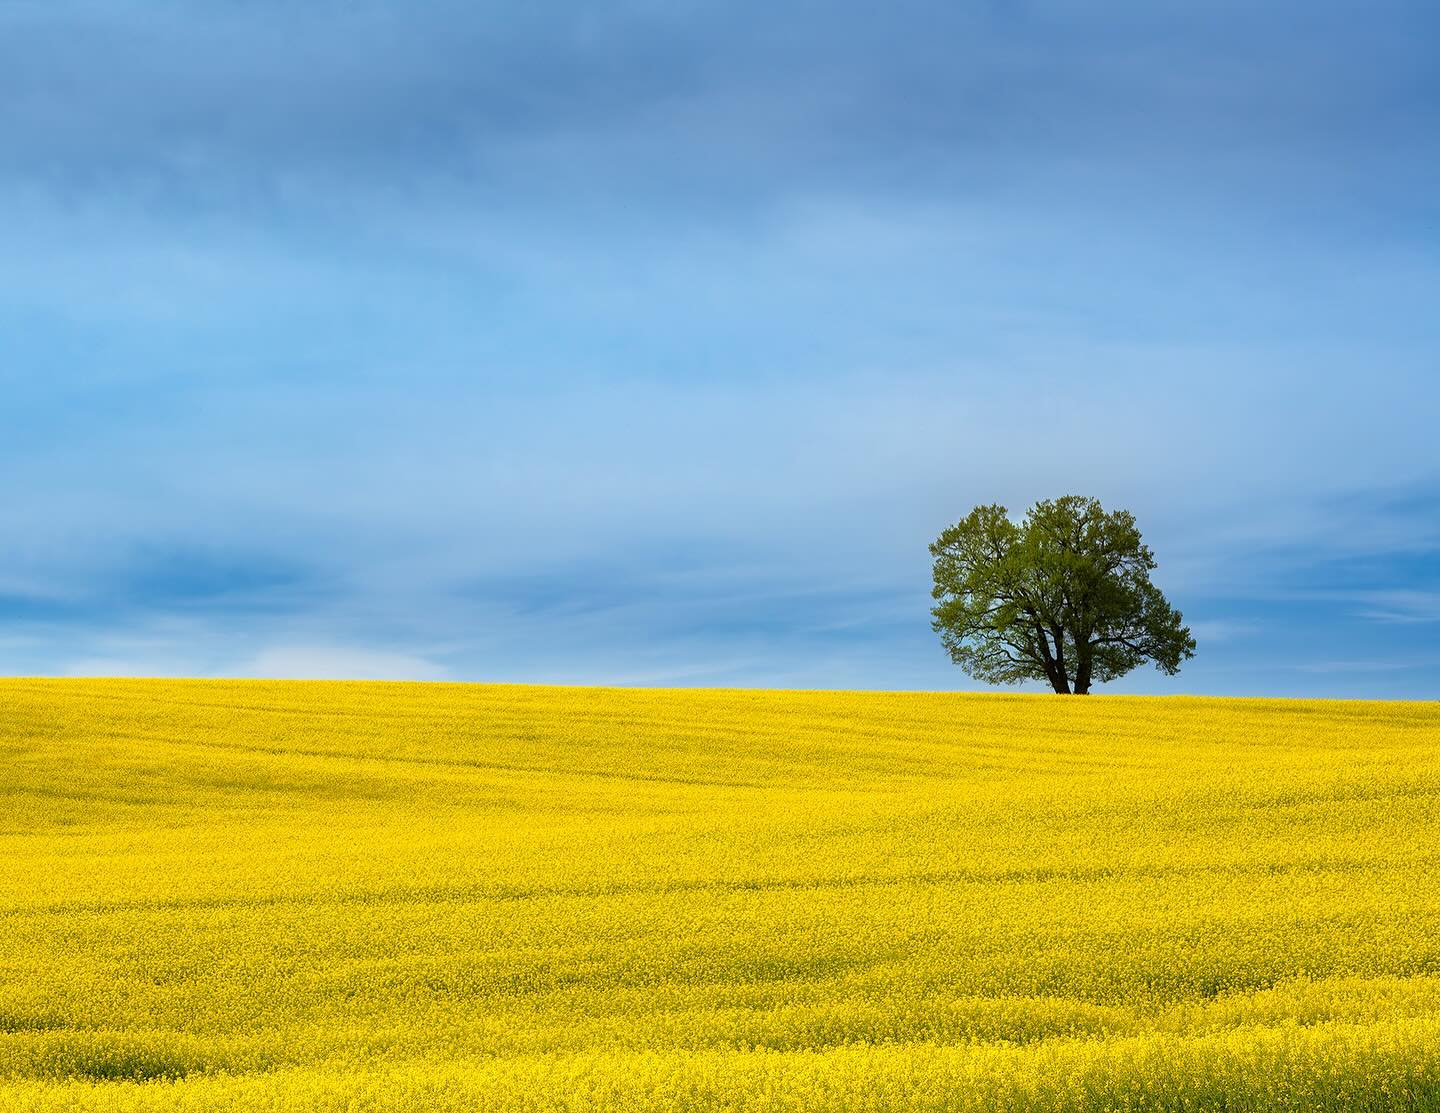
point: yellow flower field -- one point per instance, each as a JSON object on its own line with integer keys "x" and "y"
{"x": 268, "y": 896}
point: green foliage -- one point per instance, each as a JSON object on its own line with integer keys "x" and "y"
{"x": 1064, "y": 596}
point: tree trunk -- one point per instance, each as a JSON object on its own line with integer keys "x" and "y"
{"x": 1082, "y": 672}
{"x": 1060, "y": 681}
{"x": 1054, "y": 671}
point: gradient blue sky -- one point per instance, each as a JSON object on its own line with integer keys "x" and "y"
{"x": 653, "y": 342}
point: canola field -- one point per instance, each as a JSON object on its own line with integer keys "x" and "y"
{"x": 247, "y": 895}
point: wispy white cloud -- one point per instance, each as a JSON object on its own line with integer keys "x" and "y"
{"x": 1212, "y": 631}
{"x": 1360, "y": 666}
{"x": 1401, "y": 606}
{"x": 295, "y": 662}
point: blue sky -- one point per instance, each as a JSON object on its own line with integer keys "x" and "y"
{"x": 653, "y": 342}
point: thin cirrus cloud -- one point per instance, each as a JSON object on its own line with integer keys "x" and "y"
{"x": 1402, "y": 606}
{"x": 653, "y": 344}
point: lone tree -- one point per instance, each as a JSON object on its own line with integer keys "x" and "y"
{"x": 1064, "y": 596}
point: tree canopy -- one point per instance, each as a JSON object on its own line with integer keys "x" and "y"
{"x": 1063, "y": 596}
